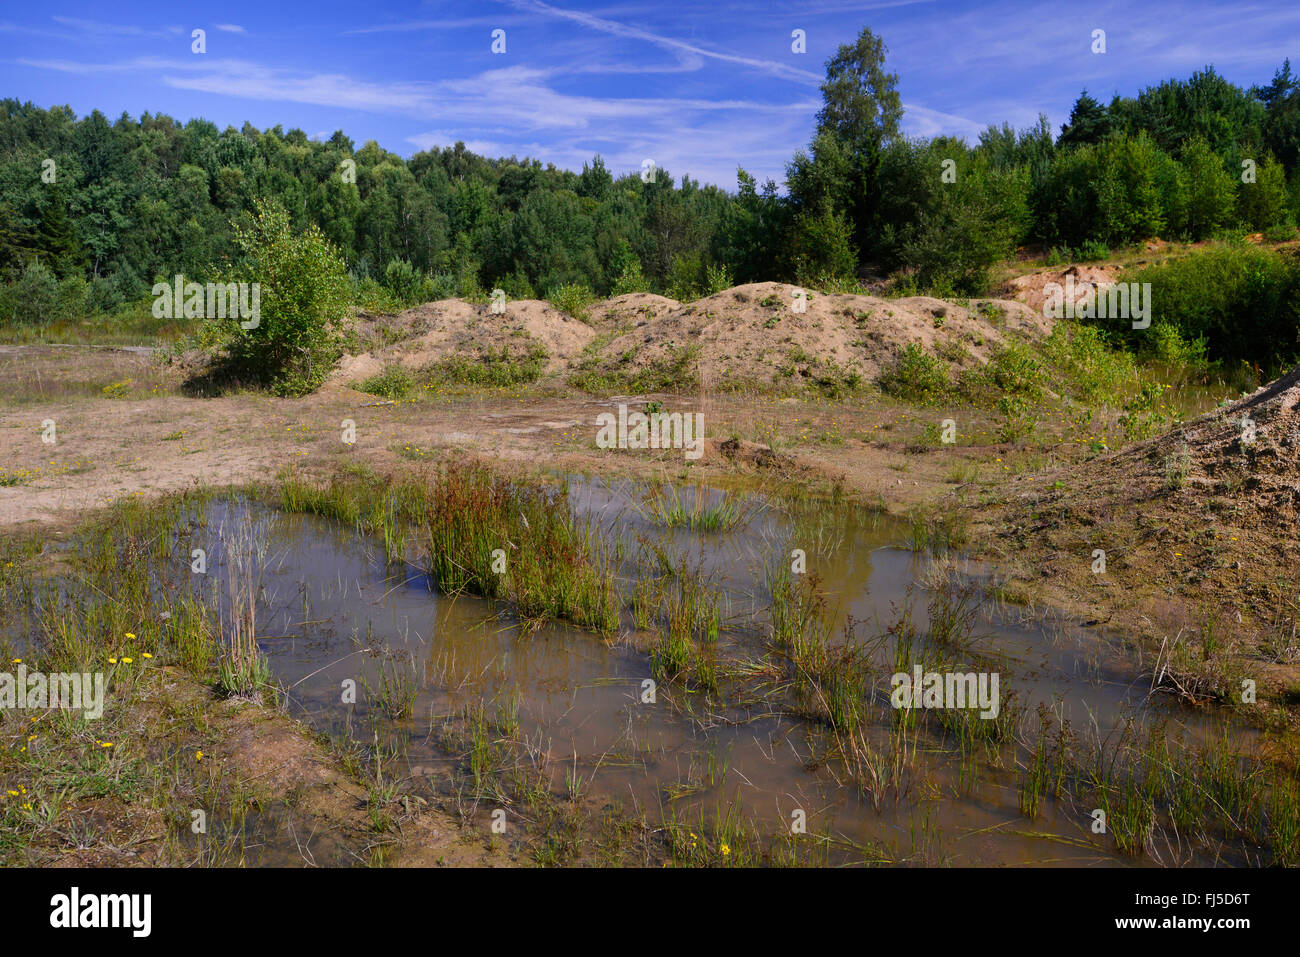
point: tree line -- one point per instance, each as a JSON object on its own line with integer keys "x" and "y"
{"x": 93, "y": 212}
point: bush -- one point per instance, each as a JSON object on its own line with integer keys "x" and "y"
{"x": 1243, "y": 301}
{"x": 682, "y": 281}
{"x": 675, "y": 371}
{"x": 402, "y": 281}
{"x": 1146, "y": 414}
{"x": 34, "y": 296}
{"x": 438, "y": 287}
{"x": 1015, "y": 371}
{"x": 372, "y": 297}
{"x": 304, "y": 300}
{"x": 916, "y": 375}
{"x": 502, "y": 368}
{"x": 393, "y": 383}
{"x": 1095, "y": 372}
{"x": 631, "y": 279}
{"x": 821, "y": 247}
{"x": 1093, "y": 250}
{"x": 572, "y": 299}
{"x": 716, "y": 279}
{"x": 1018, "y": 420}
{"x": 516, "y": 286}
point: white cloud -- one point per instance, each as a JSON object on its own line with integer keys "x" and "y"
{"x": 614, "y": 28}
{"x": 101, "y": 28}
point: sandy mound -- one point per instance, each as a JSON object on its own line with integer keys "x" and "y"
{"x": 1247, "y": 451}
{"x": 454, "y": 327}
{"x": 1029, "y": 289}
{"x": 748, "y": 334}
{"x": 753, "y": 333}
{"x": 630, "y": 308}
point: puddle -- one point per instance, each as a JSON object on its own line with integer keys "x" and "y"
{"x": 334, "y": 615}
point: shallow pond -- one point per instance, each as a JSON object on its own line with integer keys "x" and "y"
{"x": 333, "y": 611}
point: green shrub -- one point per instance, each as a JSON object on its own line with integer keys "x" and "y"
{"x": 402, "y": 281}
{"x": 675, "y": 371}
{"x": 393, "y": 383}
{"x": 304, "y": 300}
{"x": 438, "y": 287}
{"x": 372, "y": 297}
{"x": 1243, "y": 301}
{"x": 683, "y": 278}
{"x": 493, "y": 367}
{"x": 1016, "y": 371}
{"x": 716, "y": 279}
{"x": 1146, "y": 414}
{"x": 33, "y": 297}
{"x": 1017, "y": 418}
{"x": 631, "y": 279}
{"x": 516, "y": 286}
{"x": 1093, "y": 250}
{"x": 916, "y": 375}
{"x": 821, "y": 248}
{"x": 1091, "y": 369}
{"x": 572, "y": 299}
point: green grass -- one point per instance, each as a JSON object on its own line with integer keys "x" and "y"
{"x": 675, "y": 371}
{"x": 480, "y": 532}
{"x": 393, "y": 383}
{"x": 917, "y": 376}
{"x": 672, "y": 507}
{"x": 492, "y": 367}
{"x": 572, "y": 299}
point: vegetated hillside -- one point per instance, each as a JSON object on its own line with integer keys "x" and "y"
{"x": 747, "y": 335}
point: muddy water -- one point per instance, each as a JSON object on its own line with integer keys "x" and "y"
{"x": 333, "y": 611}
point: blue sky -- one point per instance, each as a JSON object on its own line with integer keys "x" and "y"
{"x": 698, "y": 87}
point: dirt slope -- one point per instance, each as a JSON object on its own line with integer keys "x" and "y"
{"x": 1203, "y": 518}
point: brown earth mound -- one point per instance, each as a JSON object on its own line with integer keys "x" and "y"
{"x": 1030, "y": 289}
{"x": 753, "y": 333}
{"x": 1198, "y": 525}
{"x": 1248, "y": 451}
{"x": 455, "y": 328}
{"x": 748, "y": 334}
{"x": 631, "y": 307}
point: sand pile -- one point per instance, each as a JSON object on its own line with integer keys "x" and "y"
{"x": 453, "y": 327}
{"x": 1247, "y": 451}
{"x": 754, "y": 333}
{"x": 1031, "y": 289}
{"x": 759, "y": 333}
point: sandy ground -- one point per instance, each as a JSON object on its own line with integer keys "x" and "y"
{"x": 149, "y": 444}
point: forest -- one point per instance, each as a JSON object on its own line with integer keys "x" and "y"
{"x": 93, "y": 212}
